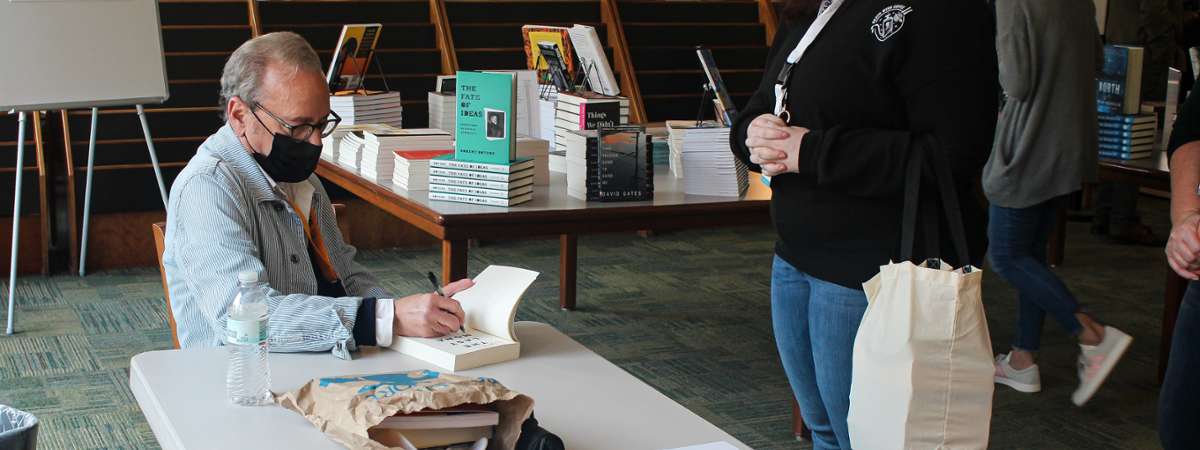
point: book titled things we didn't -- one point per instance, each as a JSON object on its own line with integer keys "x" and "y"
{"x": 485, "y": 130}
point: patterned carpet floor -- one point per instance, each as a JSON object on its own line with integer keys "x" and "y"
{"x": 686, "y": 312}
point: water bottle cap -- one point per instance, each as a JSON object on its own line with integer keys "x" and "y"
{"x": 248, "y": 277}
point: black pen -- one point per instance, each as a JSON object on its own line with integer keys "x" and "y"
{"x": 437, "y": 287}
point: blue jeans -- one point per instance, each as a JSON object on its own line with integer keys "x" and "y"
{"x": 815, "y": 323}
{"x": 1017, "y": 240}
{"x": 1179, "y": 402}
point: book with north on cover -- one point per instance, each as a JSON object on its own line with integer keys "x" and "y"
{"x": 485, "y": 127}
{"x": 1119, "y": 84}
{"x": 490, "y": 307}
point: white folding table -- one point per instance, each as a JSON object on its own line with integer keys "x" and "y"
{"x": 588, "y": 401}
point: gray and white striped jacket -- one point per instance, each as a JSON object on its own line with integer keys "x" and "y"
{"x": 224, "y": 218}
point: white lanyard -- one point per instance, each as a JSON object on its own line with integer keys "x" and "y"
{"x": 785, "y": 74}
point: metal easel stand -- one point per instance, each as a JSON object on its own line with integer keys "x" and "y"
{"x": 16, "y": 227}
{"x": 87, "y": 191}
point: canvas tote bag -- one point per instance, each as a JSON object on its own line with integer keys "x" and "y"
{"x": 922, "y": 376}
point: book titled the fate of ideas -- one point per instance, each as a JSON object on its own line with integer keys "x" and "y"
{"x": 485, "y": 131}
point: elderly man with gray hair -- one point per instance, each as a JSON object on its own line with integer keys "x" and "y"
{"x": 248, "y": 201}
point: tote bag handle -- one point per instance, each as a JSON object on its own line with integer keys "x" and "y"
{"x": 926, "y": 157}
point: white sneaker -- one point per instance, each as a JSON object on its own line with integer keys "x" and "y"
{"x": 1097, "y": 362}
{"x": 1027, "y": 380}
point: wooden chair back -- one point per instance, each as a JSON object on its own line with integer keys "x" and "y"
{"x": 160, "y": 233}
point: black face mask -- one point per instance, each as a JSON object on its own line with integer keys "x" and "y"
{"x": 290, "y": 161}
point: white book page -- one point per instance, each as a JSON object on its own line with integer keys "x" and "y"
{"x": 491, "y": 304}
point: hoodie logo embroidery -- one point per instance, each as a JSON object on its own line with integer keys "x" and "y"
{"x": 889, "y": 21}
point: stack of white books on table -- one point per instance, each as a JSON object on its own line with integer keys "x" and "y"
{"x": 332, "y": 144}
{"x": 539, "y": 150}
{"x": 576, "y": 111}
{"x": 708, "y": 165}
{"x": 481, "y": 183}
{"x": 579, "y": 144}
{"x": 412, "y": 168}
{"x": 547, "y": 108}
{"x": 676, "y": 130}
{"x": 441, "y": 111}
{"x": 378, "y": 159}
{"x": 348, "y": 150}
{"x": 350, "y": 140}
{"x": 373, "y": 108}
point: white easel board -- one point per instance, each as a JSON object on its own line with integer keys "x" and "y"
{"x": 60, "y": 54}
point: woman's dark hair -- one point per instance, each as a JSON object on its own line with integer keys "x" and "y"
{"x": 796, "y": 9}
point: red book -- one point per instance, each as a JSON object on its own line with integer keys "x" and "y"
{"x": 413, "y": 155}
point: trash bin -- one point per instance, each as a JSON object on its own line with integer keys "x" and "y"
{"x": 18, "y": 429}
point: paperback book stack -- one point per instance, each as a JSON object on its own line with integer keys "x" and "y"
{"x": 584, "y": 111}
{"x": 441, "y": 111}
{"x": 539, "y": 150}
{"x": 610, "y": 164}
{"x": 331, "y": 145}
{"x": 547, "y": 110}
{"x": 1127, "y": 137}
{"x": 708, "y": 165}
{"x": 1126, "y": 132}
{"x": 348, "y": 151}
{"x": 412, "y": 168}
{"x": 377, "y": 159}
{"x": 484, "y": 169}
{"x": 676, "y": 130}
{"x": 377, "y": 108}
{"x": 481, "y": 183}
{"x": 661, "y": 149}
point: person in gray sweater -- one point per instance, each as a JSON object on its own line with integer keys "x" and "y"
{"x": 1045, "y": 148}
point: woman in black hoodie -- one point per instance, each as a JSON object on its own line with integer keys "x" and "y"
{"x": 881, "y": 79}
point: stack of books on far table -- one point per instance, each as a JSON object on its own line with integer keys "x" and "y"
{"x": 610, "y": 164}
{"x": 577, "y": 111}
{"x": 349, "y": 141}
{"x": 441, "y": 111}
{"x": 412, "y": 168}
{"x": 377, "y": 160}
{"x": 708, "y": 165}
{"x": 485, "y": 168}
{"x": 481, "y": 183}
{"x": 378, "y": 108}
{"x": 349, "y": 148}
{"x": 1128, "y": 137}
{"x": 1126, "y": 131}
{"x": 539, "y": 150}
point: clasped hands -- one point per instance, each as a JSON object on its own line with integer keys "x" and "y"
{"x": 774, "y": 145}
{"x": 1183, "y": 247}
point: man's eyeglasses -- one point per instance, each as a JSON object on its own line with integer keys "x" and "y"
{"x": 302, "y": 131}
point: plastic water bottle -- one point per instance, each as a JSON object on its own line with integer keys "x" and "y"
{"x": 249, "y": 377}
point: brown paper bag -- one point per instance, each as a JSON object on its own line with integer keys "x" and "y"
{"x": 344, "y": 408}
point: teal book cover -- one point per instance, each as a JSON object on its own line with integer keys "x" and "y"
{"x": 486, "y": 130}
